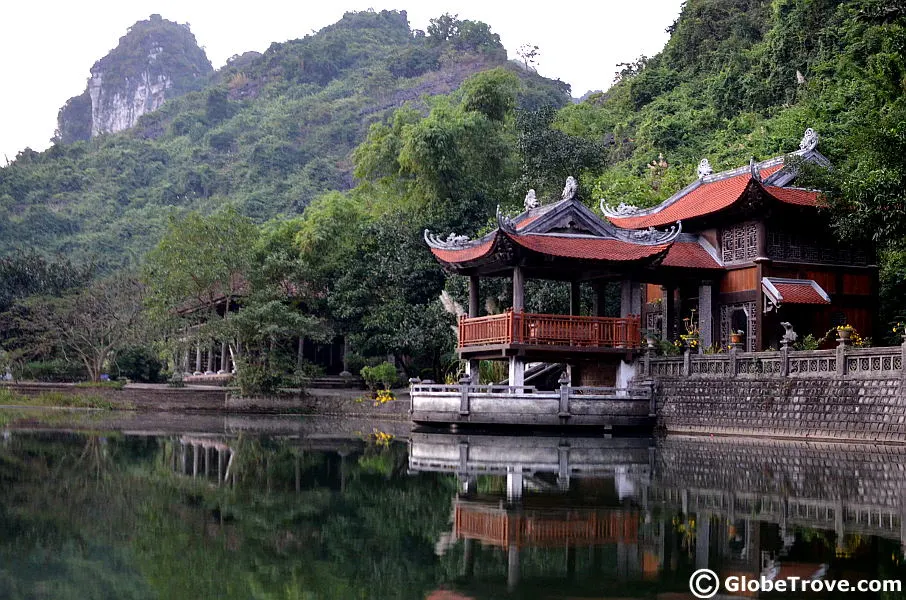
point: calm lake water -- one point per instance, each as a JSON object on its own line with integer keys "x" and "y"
{"x": 324, "y": 512}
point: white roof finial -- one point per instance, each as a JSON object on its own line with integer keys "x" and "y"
{"x": 704, "y": 168}
{"x": 809, "y": 140}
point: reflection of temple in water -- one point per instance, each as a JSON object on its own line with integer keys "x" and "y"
{"x": 206, "y": 457}
{"x": 555, "y": 514}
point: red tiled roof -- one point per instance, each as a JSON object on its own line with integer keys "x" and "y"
{"x": 794, "y": 195}
{"x": 587, "y": 247}
{"x": 796, "y": 291}
{"x": 465, "y": 254}
{"x": 707, "y": 198}
{"x": 690, "y": 255}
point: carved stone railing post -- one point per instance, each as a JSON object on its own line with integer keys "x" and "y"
{"x": 903, "y": 361}
{"x": 650, "y": 344}
{"x": 687, "y": 361}
{"x": 413, "y": 381}
{"x": 842, "y": 342}
{"x": 465, "y": 384}
{"x": 734, "y": 347}
{"x": 564, "y": 395}
{"x": 784, "y": 358}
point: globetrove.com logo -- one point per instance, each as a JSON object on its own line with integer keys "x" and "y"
{"x": 705, "y": 583}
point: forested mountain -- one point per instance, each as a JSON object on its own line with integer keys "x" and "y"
{"x": 157, "y": 59}
{"x": 267, "y": 133}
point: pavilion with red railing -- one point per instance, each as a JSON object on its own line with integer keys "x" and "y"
{"x": 564, "y": 241}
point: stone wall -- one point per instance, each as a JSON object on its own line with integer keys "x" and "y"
{"x": 871, "y": 410}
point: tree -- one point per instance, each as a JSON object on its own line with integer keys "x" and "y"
{"x": 92, "y": 324}
{"x": 529, "y": 54}
{"x": 200, "y": 262}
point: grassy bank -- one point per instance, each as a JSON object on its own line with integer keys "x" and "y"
{"x": 59, "y": 399}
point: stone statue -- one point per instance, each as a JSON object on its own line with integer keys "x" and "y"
{"x": 456, "y": 240}
{"x": 789, "y": 335}
{"x": 704, "y": 168}
{"x": 809, "y": 140}
{"x": 571, "y": 188}
{"x": 531, "y": 201}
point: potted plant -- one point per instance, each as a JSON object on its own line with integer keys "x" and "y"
{"x": 737, "y": 336}
{"x": 845, "y": 333}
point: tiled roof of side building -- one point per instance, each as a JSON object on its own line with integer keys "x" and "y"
{"x": 796, "y": 196}
{"x": 706, "y": 198}
{"x": 794, "y": 291}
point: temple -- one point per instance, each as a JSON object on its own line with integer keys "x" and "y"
{"x": 731, "y": 257}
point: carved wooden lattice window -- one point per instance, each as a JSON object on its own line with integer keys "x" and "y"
{"x": 726, "y": 323}
{"x": 739, "y": 243}
{"x": 796, "y": 248}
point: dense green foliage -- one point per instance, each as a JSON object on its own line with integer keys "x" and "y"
{"x": 268, "y": 134}
{"x": 379, "y": 132}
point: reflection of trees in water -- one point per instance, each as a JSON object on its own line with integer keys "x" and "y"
{"x": 297, "y": 523}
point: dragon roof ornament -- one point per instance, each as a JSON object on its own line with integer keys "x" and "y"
{"x": 809, "y": 140}
{"x": 704, "y": 168}
{"x": 451, "y": 242}
{"x": 531, "y": 200}
{"x": 504, "y": 222}
{"x": 650, "y": 236}
{"x": 620, "y": 211}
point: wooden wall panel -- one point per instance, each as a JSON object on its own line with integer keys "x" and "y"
{"x": 739, "y": 280}
{"x": 653, "y": 292}
{"x": 826, "y": 279}
{"x": 858, "y": 284}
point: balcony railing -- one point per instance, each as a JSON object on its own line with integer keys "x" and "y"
{"x": 550, "y": 330}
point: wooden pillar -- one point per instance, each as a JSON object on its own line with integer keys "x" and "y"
{"x": 575, "y": 298}
{"x": 706, "y": 313}
{"x": 474, "y": 296}
{"x": 210, "y": 359}
{"x": 300, "y": 352}
{"x": 224, "y": 358}
{"x": 598, "y": 308}
{"x": 518, "y": 290}
{"x": 625, "y": 298}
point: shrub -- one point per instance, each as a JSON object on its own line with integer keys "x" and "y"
{"x": 138, "y": 364}
{"x": 384, "y": 373}
{"x": 53, "y": 371}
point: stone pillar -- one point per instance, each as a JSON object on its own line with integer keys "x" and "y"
{"x": 198, "y": 358}
{"x": 512, "y": 571}
{"x": 514, "y": 485}
{"x": 706, "y": 313}
{"x": 517, "y": 371}
{"x": 472, "y": 370}
{"x": 474, "y": 296}
{"x": 210, "y": 359}
{"x": 575, "y": 298}
{"x": 196, "y": 459}
{"x": 185, "y": 360}
{"x": 224, "y": 358}
{"x": 669, "y": 314}
{"x": 518, "y": 290}
{"x": 703, "y": 541}
{"x": 468, "y": 557}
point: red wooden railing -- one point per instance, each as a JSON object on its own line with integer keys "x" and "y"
{"x": 550, "y": 330}
{"x": 549, "y": 528}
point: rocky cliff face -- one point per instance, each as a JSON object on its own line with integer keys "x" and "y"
{"x": 157, "y": 59}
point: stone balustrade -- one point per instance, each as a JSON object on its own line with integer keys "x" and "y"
{"x": 844, "y": 361}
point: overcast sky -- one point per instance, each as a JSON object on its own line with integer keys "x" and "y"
{"x": 47, "y": 48}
